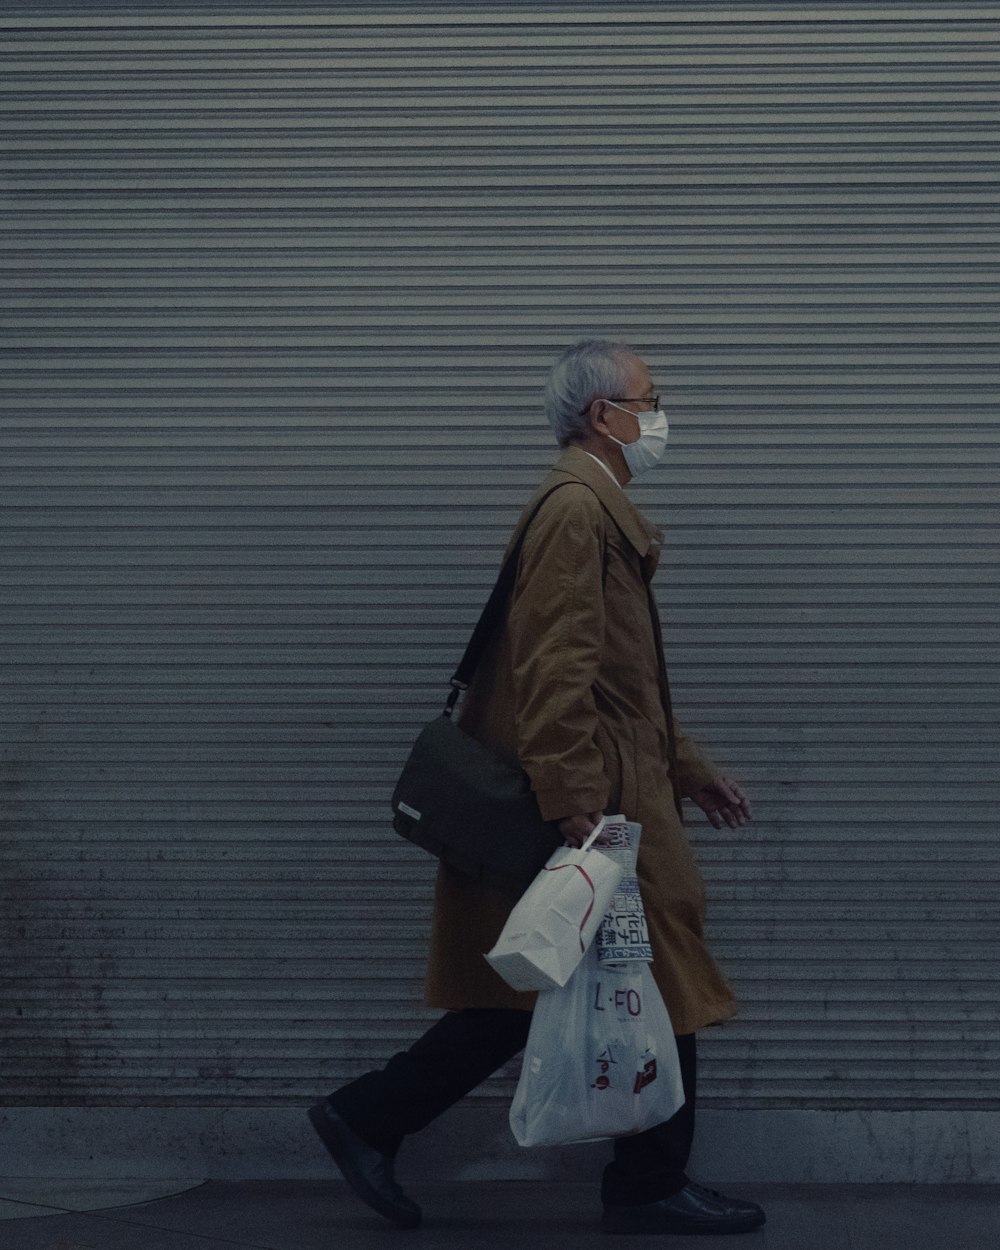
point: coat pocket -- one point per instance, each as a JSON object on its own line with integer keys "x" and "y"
{"x": 651, "y": 768}
{"x": 626, "y": 794}
{"x": 614, "y": 769}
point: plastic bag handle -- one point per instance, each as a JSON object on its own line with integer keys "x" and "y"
{"x": 595, "y": 835}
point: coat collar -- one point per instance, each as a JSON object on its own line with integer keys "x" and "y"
{"x": 575, "y": 463}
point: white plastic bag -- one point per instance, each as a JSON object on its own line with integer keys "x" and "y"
{"x": 556, "y": 918}
{"x": 601, "y": 1059}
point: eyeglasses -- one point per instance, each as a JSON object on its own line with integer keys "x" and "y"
{"x": 632, "y": 399}
{"x": 636, "y": 399}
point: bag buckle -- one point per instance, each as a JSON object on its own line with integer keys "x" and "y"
{"x": 457, "y": 688}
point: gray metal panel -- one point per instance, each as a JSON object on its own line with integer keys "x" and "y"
{"x": 281, "y": 292}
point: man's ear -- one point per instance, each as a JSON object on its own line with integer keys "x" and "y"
{"x": 598, "y": 416}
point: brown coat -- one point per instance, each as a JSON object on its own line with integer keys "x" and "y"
{"x": 571, "y": 689}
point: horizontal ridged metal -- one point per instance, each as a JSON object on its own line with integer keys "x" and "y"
{"x": 280, "y": 291}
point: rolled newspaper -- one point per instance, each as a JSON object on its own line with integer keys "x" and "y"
{"x": 622, "y": 937}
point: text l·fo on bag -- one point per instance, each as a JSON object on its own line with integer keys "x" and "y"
{"x": 601, "y": 1059}
{"x": 556, "y": 918}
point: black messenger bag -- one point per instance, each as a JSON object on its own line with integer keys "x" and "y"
{"x": 461, "y": 801}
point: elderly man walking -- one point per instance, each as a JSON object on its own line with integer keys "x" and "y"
{"x": 574, "y": 688}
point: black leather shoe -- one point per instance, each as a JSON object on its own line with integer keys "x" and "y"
{"x": 367, "y": 1172}
{"x": 694, "y": 1210}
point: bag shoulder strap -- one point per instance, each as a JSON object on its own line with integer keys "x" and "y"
{"x": 492, "y": 613}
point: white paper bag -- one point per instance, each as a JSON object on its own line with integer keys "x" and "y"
{"x": 601, "y": 1059}
{"x": 556, "y": 918}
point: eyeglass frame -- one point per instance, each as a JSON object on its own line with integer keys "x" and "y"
{"x": 627, "y": 399}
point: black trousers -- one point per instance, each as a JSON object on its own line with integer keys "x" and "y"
{"x": 459, "y": 1052}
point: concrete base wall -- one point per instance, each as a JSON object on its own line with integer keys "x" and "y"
{"x": 473, "y": 1142}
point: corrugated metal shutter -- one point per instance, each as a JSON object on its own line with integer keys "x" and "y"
{"x": 282, "y": 293}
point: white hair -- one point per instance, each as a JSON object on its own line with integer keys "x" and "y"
{"x": 590, "y": 369}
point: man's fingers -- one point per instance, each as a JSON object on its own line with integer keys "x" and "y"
{"x": 739, "y": 801}
{"x": 577, "y": 829}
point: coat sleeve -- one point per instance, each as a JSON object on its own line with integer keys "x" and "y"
{"x": 694, "y": 768}
{"x": 556, "y": 635}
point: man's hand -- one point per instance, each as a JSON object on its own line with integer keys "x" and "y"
{"x": 577, "y": 829}
{"x": 723, "y": 800}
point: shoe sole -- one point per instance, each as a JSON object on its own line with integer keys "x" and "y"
{"x": 683, "y": 1228}
{"x": 331, "y": 1138}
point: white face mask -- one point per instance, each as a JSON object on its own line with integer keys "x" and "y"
{"x": 647, "y": 450}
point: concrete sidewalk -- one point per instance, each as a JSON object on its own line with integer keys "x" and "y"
{"x": 497, "y": 1215}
